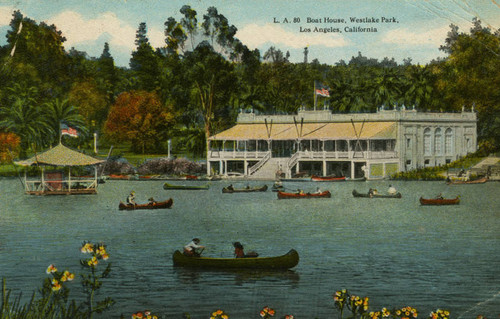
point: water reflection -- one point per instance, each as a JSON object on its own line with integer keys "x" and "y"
{"x": 237, "y": 276}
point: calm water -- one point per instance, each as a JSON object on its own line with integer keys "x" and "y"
{"x": 393, "y": 250}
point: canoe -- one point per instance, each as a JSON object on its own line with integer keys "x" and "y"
{"x": 316, "y": 178}
{"x": 170, "y": 186}
{"x": 287, "y": 261}
{"x": 356, "y": 194}
{"x": 476, "y": 181}
{"x": 244, "y": 190}
{"x": 283, "y": 195}
{"x": 437, "y": 201}
{"x": 158, "y": 205}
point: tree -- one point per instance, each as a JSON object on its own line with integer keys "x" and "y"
{"x": 144, "y": 61}
{"x": 106, "y": 73}
{"x": 469, "y": 76}
{"x": 58, "y": 111}
{"x": 92, "y": 104}
{"x": 213, "y": 82}
{"x": 138, "y": 117}
{"x": 418, "y": 89}
{"x": 23, "y": 117}
{"x": 40, "y": 45}
{"x": 9, "y": 147}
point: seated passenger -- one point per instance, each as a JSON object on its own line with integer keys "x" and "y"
{"x": 239, "y": 252}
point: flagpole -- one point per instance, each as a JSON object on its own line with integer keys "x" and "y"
{"x": 315, "y": 96}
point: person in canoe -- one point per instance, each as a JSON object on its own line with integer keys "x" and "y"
{"x": 151, "y": 201}
{"x": 300, "y": 191}
{"x": 318, "y": 191}
{"x": 193, "y": 249}
{"x": 131, "y": 198}
{"x": 240, "y": 253}
{"x": 392, "y": 190}
{"x": 440, "y": 196}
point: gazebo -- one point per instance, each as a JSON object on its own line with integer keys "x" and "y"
{"x": 54, "y": 183}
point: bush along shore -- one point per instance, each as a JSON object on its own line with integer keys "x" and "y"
{"x": 118, "y": 166}
{"x": 156, "y": 166}
{"x": 438, "y": 173}
{"x": 53, "y": 302}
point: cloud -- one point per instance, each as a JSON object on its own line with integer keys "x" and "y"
{"x": 77, "y": 30}
{"x": 156, "y": 38}
{"x": 254, "y": 35}
{"x": 433, "y": 37}
{"x": 5, "y": 15}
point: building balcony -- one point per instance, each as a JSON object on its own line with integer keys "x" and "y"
{"x": 304, "y": 155}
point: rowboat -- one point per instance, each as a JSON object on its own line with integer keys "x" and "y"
{"x": 475, "y": 181}
{"x": 289, "y": 260}
{"x": 316, "y": 178}
{"x": 440, "y": 201}
{"x": 283, "y": 195}
{"x": 356, "y": 194}
{"x": 157, "y": 205}
{"x": 170, "y": 186}
{"x": 248, "y": 189}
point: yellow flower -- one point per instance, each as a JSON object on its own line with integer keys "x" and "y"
{"x": 51, "y": 269}
{"x": 92, "y": 262}
{"x": 55, "y": 285}
{"x": 224, "y": 317}
{"x": 87, "y": 248}
{"x": 105, "y": 256}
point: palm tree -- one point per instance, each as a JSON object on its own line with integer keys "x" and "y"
{"x": 419, "y": 88}
{"x": 23, "y": 117}
{"x": 387, "y": 88}
{"x": 57, "y": 111}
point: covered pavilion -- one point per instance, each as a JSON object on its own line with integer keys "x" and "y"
{"x": 55, "y": 183}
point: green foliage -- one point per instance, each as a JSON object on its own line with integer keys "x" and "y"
{"x": 205, "y": 75}
{"x": 139, "y": 118}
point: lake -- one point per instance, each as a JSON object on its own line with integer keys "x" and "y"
{"x": 394, "y": 251}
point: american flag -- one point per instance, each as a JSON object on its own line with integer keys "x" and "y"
{"x": 321, "y": 90}
{"x": 66, "y": 130}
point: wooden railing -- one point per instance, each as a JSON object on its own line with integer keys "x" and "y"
{"x": 259, "y": 164}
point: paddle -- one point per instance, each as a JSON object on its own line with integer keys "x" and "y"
{"x": 199, "y": 254}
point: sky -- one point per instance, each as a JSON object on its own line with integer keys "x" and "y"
{"x": 332, "y": 30}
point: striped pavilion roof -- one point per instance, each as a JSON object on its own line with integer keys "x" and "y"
{"x": 315, "y": 131}
{"x": 61, "y": 156}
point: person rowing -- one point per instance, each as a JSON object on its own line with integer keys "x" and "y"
{"x": 131, "y": 199}
{"x": 194, "y": 249}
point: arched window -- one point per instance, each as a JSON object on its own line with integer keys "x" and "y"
{"x": 448, "y": 141}
{"x": 427, "y": 141}
{"x": 438, "y": 141}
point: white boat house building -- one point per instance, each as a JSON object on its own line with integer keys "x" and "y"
{"x": 356, "y": 145}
